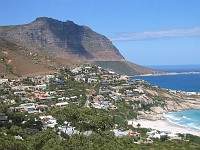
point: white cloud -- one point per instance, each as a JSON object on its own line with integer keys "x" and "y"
{"x": 148, "y": 35}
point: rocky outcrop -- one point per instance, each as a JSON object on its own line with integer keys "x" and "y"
{"x": 155, "y": 101}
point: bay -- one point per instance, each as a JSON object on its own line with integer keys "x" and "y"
{"x": 180, "y": 82}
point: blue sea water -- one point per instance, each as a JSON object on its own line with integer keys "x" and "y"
{"x": 188, "y": 118}
{"x": 184, "y": 82}
{"x": 176, "y": 68}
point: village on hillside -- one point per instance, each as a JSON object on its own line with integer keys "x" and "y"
{"x": 36, "y": 103}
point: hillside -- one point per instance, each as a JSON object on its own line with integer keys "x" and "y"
{"x": 97, "y": 115}
{"x": 124, "y": 67}
{"x": 18, "y": 61}
{"x": 57, "y": 44}
{"x": 62, "y": 38}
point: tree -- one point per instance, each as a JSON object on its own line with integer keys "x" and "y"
{"x": 8, "y": 142}
{"x": 84, "y": 119}
{"x": 16, "y": 117}
{"x": 53, "y": 144}
{"x": 39, "y": 140}
{"x": 163, "y": 138}
{"x": 138, "y": 125}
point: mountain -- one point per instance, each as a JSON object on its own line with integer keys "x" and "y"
{"x": 18, "y": 61}
{"x": 62, "y": 38}
{"x": 65, "y": 43}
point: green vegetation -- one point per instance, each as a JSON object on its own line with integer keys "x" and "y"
{"x": 84, "y": 119}
{"x": 26, "y": 130}
{"x": 122, "y": 114}
{"x": 49, "y": 139}
{"x": 9, "y": 68}
{"x": 116, "y": 66}
{"x": 27, "y": 81}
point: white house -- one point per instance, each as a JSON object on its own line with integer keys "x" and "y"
{"x": 19, "y": 93}
{"x": 3, "y": 81}
{"x": 119, "y": 133}
{"x": 41, "y": 86}
{"x": 30, "y": 107}
{"x": 61, "y": 104}
{"x": 48, "y": 121}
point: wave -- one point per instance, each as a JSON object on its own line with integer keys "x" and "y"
{"x": 187, "y": 119}
{"x": 172, "y": 117}
{"x": 193, "y": 126}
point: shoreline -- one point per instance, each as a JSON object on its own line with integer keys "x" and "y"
{"x": 164, "y": 125}
{"x": 167, "y": 73}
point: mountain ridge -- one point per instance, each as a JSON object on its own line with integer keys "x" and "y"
{"x": 65, "y": 41}
{"x": 66, "y": 37}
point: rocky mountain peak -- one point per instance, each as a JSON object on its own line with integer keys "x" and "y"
{"x": 65, "y": 38}
{"x": 44, "y": 19}
{"x": 56, "y": 44}
{"x": 53, "y": 21}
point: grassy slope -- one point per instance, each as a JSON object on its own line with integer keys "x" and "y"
{"x": 124, "y": 67}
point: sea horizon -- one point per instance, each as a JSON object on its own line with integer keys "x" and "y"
{"x": 184, "y": 80}
{"x": 176, "y": 68}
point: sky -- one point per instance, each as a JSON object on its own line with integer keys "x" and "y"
{"x": 146, "y": 32}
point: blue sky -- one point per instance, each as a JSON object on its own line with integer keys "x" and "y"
{"x": 147, "y": 32}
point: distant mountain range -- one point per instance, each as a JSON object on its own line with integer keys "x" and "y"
{"x": 46, "y": 45}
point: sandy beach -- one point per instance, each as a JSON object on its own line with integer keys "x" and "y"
{"x": 164, "y": 125}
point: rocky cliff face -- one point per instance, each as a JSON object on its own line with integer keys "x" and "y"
{"x": 62, "y": 39}
{"x": 64, "y": 44}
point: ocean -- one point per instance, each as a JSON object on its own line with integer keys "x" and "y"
{"x": 176, "y": 68}
{"x": 184, "y": 82}
{"x": 188, "y": 118}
